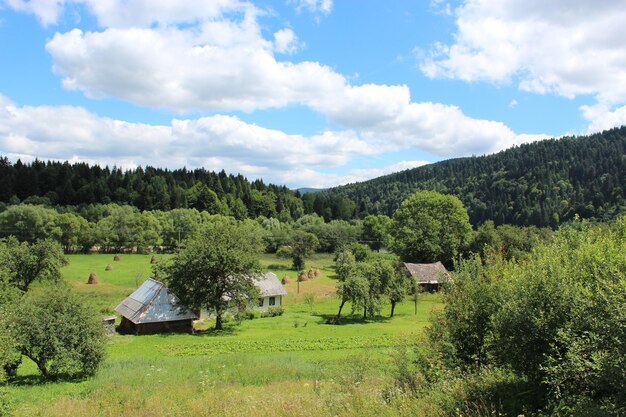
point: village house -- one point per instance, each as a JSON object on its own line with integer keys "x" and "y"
{"x": 151, "y": 309}
{"x": 271, "y": 290}
{"x": 429, "y": 277}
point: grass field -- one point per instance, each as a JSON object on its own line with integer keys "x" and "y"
{"x": 295, "y": 364}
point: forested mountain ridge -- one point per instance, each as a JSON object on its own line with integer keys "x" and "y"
{"x": 149, "y": 188}
{"x": 541, "y": 183}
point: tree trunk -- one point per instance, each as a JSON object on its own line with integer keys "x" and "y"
{"x": 393, "y": 307}
{"x": 41, "y": 365}
{"x": 364, "y": 313}
{"x": 218, "y": 320}
{"x": 339, "y": 313}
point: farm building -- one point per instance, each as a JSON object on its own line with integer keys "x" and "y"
{"x": 153, "y": 309}
{"x": 428, "y": 276}
{"x": 271, "y": 290}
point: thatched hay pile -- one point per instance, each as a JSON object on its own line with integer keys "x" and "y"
{"x": 93, "y": 279}
{"x": 317, "y": 273}
{"x": 109, "y": 267}
{"x": 285, "y": 280}
{"x": 153, "y": 260}
{"x": 310, "y": 274}
{"x": 116, "y": 258}
{"x": 303, "y": 276}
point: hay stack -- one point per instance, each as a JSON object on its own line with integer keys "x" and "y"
{"x": 153, "y": 260}
{"x": 317, "y": 273}
{"x": 310, "y": 274}
{"x": 285, "y": 280}
{"x": 109, "y": 267}
{"x": 302, "y": 276}
{"x": 116, "y": 258}
{"x": 93, "y": 279}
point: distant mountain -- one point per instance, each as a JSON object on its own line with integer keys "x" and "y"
{"x": 305, "y": 190}
{"x": 542, "y": 183}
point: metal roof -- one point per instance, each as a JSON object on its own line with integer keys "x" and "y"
{"x": 269, "y": 285}
{"x": 151, "y": 303}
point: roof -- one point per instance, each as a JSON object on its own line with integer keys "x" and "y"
{"x": 428, "y": 273}
{"x": 269, "y": 285}
{"x": 152, "y": 303}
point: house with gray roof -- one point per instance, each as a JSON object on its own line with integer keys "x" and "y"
{"x": 428, "y": 276}
{"x": 272, "y": 291}
{"x": 152, "y": 308}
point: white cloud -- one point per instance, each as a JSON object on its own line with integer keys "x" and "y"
{"x": 601, "y": 117}
{"x": 47, "y": 11}
{"x": 512, "y": 104}
{"x": 313, "y": 6}
{"x": 565, "y": 47}
{"x": 216, "y": 142}
{"x": 181, "y": 70}
{"x": 286, "y": 41}
{"x": 135, "y": 13}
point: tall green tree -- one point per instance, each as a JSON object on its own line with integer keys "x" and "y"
{"x": 430, "y": 227}
{"x": 22, "y": 263}
{"x": 376, "y": 231}
{"x": 303, "y": 244}
{"x": 215, "y": 268}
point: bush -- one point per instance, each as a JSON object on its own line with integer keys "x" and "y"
{"x": 59, "y": 333}
{"x": 273, "y": 312}
{"x": 247, "y": 315}
{"x": 5, "y": 403}
{"x": 360, "y": 251}
{"x": 284, "y": 252}
{"x": 546, "y": 333}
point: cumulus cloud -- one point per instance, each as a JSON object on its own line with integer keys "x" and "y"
{"x": 286, "y": 41}
{"x": 601, "y": 117}
{"x": 216, "y": 142}
{"x": 564, "y": 47}
{"x": 173, "y": 68}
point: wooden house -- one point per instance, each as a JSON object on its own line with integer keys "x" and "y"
{"x": 151, "y": 309}
{"x": 428, "y": 276}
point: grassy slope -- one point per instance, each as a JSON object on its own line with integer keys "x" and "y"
{"x": 289, "y": 365}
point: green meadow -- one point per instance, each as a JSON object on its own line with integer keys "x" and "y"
{"x": 294, "y": 364}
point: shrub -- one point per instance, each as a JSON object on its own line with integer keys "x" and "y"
{"x": 284, "y": 252}
{"x": 273, "y": 312}
{"x": 59, "y": 333}
{"x": 360, "y": 251}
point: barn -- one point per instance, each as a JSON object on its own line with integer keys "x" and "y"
{"x": 153, "y": 309}
{"x": 271, "y": 291}
{"x": 428, "y": 276}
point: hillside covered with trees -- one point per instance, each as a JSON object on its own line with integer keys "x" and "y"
{"x": 542, "y": 183}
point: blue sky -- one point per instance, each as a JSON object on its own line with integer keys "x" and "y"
{"x": 307, "y": 93}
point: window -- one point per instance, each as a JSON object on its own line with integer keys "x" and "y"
{"x": 260, "y": 302}
{"x": 272, "y": 301}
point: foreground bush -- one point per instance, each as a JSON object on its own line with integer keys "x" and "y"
{"x": 542, "y": 336}
{"x": 59, "y": 333}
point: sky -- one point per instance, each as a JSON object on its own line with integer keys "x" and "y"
{"x": 305, "y": 93}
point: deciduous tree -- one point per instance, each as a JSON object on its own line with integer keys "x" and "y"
{"x": 214, "y": 268}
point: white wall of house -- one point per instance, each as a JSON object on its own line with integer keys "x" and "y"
{"x": 267, "y": 302}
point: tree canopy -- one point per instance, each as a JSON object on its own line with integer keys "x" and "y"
{"x": 214, "y": 269}
{"x": 430, "y": 227}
